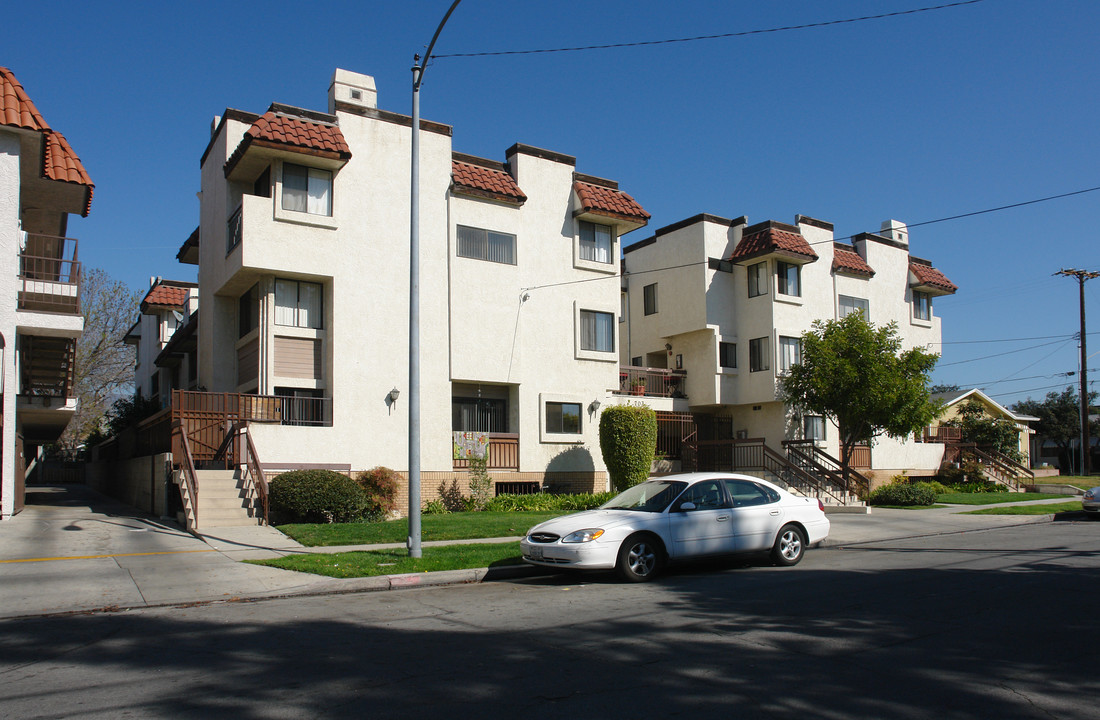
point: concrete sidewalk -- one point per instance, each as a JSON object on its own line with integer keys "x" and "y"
{"x": 74, "y": 550}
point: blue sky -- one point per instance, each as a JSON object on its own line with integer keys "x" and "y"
{"x": 916, "y": 117}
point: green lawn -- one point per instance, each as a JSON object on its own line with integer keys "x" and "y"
{"x": 993, "y": 498}
{"x": 396, "y": 562}
{"x": 1029, "y": 509}
{"x": 452, "y": 526}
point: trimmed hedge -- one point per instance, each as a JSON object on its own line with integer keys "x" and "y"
{"x": 628, "y": 440}
{"x": 547, "y": 502}
{"x": 317, "y": 496}
{"x": 903, "y": 495}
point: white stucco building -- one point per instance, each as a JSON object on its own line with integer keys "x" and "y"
{"x": 303, "y": 283}
{"x": 166, "y": 354}
{"x": 42, "y": 181}
{"x": 725, "y": 303}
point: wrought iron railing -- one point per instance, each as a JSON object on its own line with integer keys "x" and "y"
{"x": 49, "y": 274}
{"x": 234, "y": 229}
{"x": 651, "y": 382}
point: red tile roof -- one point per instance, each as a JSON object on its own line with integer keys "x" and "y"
{"x": 770, "y": 239}
{"x": 930, "y": 276}
{"x": 59, "y": 161}
{"x": 603, "y": 200}
{"x": 847, "y": 260}
{"x": 300, "y": 133}
{"x": 162, "y": 295}
{"x": 481, "y": 181}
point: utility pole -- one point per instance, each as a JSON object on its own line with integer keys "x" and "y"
{"x": 413, "y": 541}
{"x": 1083, "y": 276}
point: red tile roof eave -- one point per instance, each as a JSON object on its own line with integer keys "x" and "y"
{"x": 609, "y": 202}
{"x": 458, "y": 189}
{"x": 773, "y": 252}
{"x": 638, "y": 220}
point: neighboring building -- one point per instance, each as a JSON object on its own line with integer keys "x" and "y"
{"x": 303, "y": 278}
{"x": 722, "y": 305}
{"x": 954, "y": 401}
{"x": 165, "y": 340}
{"x": 42, "y": 181}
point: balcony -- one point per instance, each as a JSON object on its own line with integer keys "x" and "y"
{"x": 49, "y": 275}
{"x": 651, "y": 382}
{"x": 503, "y": 453}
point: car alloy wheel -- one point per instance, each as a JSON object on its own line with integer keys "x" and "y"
{"x": 639, "y": 559}
{"x": 789, "y": 546}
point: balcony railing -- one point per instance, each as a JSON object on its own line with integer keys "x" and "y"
{"x": 503, "y": 453}
{"x": 233, "y": 229}
{"x": 941, "y": 434}
{"x": 651, "y": 382}
{"x": 49, "y": 275}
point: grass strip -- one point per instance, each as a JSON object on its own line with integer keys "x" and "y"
{"x": 452, "y": 526}
{"x": 370, "y": 563}
{"x": 994, "y": 498}
{"x": 1049, "y": 509}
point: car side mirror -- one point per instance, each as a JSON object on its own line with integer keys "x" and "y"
{"x": 686, "y": 505}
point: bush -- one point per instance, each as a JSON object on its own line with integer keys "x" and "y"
{"x": 903, "y": 495}
{"x": 434, "y": 507}
{"x": 379, "y": 492}
{"x": 481, "y": 485}
{"x": 317, "y": 496}
{"x": 628, "y": 441}
{"x": 936, "y": 487}
{"x": 546, "y": 502}
{"x": 983, "y": 486}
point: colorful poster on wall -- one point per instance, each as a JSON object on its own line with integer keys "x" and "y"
{"x": 471, "y": 445}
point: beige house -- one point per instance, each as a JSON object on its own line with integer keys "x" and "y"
{"x": 954, "y": 401}
{"x": 42, "y": 181}
{"x": 303, "y": 275}
{"x": 720, "y": 305}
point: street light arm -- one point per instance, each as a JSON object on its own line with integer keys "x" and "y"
{"x": 419, "y": 76}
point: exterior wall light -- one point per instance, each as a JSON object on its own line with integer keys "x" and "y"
{"x": 394, "y": 394}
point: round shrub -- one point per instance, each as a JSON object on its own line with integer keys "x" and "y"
{"x": 902, "y": 495}
{"x": 628, "y": 439}
{"x": 379, "y": 491}
{"x": 317, "y": 496}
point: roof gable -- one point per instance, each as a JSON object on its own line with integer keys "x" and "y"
{"x": 773, "y": 238}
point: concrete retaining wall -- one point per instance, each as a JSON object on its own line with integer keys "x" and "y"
{"x": 142, "y": 482}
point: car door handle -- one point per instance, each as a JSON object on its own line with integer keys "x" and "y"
{"x": 774, "y": 512}
{"x": 723, "y": 518}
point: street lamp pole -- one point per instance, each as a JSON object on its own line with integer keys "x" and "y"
{"x": 413, "y": 541}
{"x": 1083, "y": 276}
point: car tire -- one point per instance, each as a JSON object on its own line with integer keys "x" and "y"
{"x": 640, "y": 558}
{"x": 790, "y": 546}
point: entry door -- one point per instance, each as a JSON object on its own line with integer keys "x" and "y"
{"x": 757, "y": 514}
{"x": 706, "y": 529}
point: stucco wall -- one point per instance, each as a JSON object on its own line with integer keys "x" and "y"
{"x": 140, "y": 482}
{"x": 9, "y": 248}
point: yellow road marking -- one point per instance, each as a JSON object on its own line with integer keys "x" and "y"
{"x": 99, "y": 557}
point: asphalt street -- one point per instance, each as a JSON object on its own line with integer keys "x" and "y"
{"x": 994, "y": 622}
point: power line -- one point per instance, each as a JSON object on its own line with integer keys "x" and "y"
{"x": 1008, "y": 352}
{"x": 742, "y": 33}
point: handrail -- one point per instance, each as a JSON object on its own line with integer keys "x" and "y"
{"x": 781, "y": 462}
{"x": 829, "y": 465}
{"x": 190, "y": 478}
{"x": 252, "y": 464}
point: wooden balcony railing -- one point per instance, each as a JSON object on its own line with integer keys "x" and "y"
{"x": 503, "y": 453}
{"x": 49, "y": 275}
{"x": 651, "y": 382}
{"x": 941, "y": 434}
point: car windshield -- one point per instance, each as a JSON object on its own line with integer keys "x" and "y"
{"x": 650, "y": 496}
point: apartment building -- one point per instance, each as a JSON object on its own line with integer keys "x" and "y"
{"x": 164, "y": 340}
{"x": 303, "y": 282}
{"x": 721, "y": 304}
{"x": 42, "y": 182}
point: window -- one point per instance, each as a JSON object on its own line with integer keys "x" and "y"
{"x": 727, "y": 355}
{"x": 789, "y": 279}
{"x": 486, "y": 245}
{"x": 307, "y": 190}
{"x": 747, "y": 494}
{"x": 597, "y": 331}
{"x": 758, "y": 279}
{"x": 790, "y": 352}
{"x": 813, "y": 427}
{"x": 922, "y": 305}
{"x": 636, "y": 361}
{"x": 849, "y": 305}
{"x": 563, "y": 417}
{"x": 649, "y": 293}
{"x": 248, "y": 311}
{"x": 479, "y": 414}
{"x": 758, "y": 354}
{"x": 302, "y": 406}
{"x": 595, "y": 242}
{"x": 297, "y": 304}
{"x": 706, "y": 495}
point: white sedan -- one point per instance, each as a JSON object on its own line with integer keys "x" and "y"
{"x": 678, "y": 517}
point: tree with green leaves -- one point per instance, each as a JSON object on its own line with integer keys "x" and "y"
{"x": 978, "y": 427}
{"x": 1059, "y": 421}
{"x": 857, "y": 376}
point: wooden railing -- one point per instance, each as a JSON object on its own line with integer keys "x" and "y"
{"x": 49, "y": 275}
{"x": 189, "y": 488}
{"x": 651, "y": 382}
{"x": 503, "y": 453}
{"x": 941, "y": 434}
{"x": 251, "y": 469}
{"x": 997, "y": 466}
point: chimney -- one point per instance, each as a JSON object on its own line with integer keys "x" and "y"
{"x": 353, "y": 89}
{"x": 896, "y": 231}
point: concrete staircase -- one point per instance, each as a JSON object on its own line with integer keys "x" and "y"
{"x": 225, "y": 500}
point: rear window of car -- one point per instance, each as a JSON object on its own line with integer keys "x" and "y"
{"x": 746, "y": 494}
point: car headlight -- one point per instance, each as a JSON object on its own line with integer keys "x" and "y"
{"x": 583, "y": 536}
